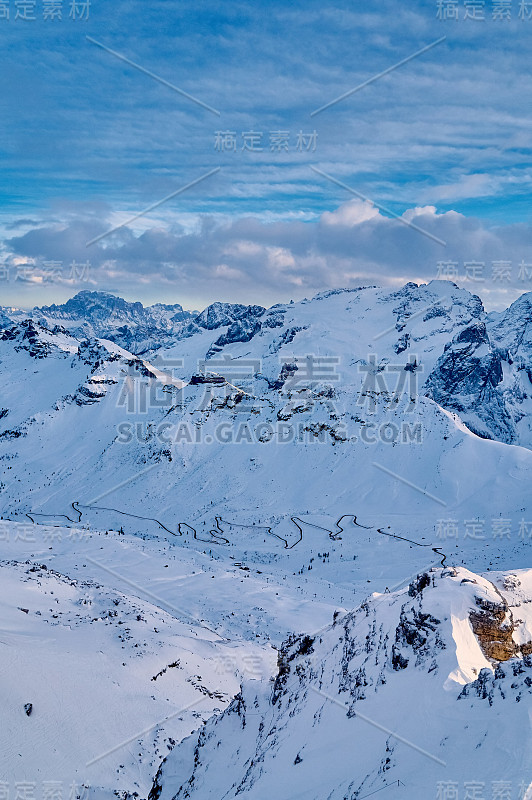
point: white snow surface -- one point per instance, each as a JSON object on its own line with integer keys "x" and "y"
{"x": 150, "y": 521}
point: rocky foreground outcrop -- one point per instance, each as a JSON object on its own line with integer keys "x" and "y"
{"x": 413, "y": 689}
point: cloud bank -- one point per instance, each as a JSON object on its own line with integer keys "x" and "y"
{"x": 252, "y": 259}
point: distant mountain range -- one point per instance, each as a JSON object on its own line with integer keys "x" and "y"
{"x": 480, "y": 363}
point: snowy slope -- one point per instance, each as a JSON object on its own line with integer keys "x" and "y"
{"x": 113, "y": 679}
{"x": 233, "y": 473}
{"x": 118, "y": 416}
{"x": 398, "y": 693}
{"x": 255, "y": 474}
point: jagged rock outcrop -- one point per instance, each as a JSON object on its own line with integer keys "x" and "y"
{"x": 131, "y": 325}
{"x": 348, "y": 690}
{"x": 219, "y": 314}
{"x": 466, "y": 380}
{"x": 493, "y": 626}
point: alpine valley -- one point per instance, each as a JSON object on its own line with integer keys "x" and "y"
{"x": 268, "y": 553}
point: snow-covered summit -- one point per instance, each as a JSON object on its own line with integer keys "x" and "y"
{"x": 104, "y": 315}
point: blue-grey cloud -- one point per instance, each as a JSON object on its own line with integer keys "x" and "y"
{"x": 249, "y": 259}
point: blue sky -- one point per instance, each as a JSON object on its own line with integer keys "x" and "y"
{"x": 89, "y": 141}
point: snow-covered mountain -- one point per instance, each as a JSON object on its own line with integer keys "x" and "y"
{"x": 91, "y": 314}
{"x": 369, "y": 372}
{"x": 482, "y": 370}
{"x": 252, "y": 474}
{"x": 103, "y": 315}
{"x": 417, "y": 689}
{"x": 101, "y": 668}
{"x": 5, "y": 320}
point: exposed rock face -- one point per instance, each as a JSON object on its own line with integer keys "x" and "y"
{"x": 345, "y": 685}
{"x": 495, "y": 685}
{"x": 27, "y": 336}
{"x": 242, "y": 330}
{"x": 219, "y": 314}
{"x": 130, "y": 325}
{"x": 511, "y": 331}
{"x": 466, "y": 380}
{"x": 242, "y": 322}
{"x": 493, "y": 626}
{"x": 417, "y": 585}
{"x": 526, "y": 649}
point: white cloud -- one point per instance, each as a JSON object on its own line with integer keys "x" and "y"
{"x": 352, "y": 213}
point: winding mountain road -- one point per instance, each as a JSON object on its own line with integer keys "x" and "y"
{"x": 217, "y": 534}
